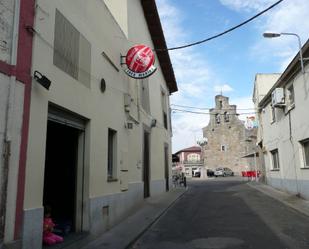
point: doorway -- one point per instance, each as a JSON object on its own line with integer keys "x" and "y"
{"x": 62, "y": 187}
{"x": 146, "y": 164}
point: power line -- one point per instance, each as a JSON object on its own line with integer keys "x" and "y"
{"x": 207, "y": 108}
{"x": 208, "y": 113}
{"x": 224, "y": 32}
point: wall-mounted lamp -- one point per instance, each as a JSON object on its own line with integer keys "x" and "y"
{"x": 42, "y": 79}
{"x": 153, "y": 123}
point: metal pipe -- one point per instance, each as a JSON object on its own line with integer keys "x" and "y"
{"x": 300, "y": 50}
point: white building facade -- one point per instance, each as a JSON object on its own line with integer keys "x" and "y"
{"x": 190, "y": 159}
{"x": 99, "y": 142}
{"x": 283, "y": 131}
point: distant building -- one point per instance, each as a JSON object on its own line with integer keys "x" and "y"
{"x": 189, "y": 159}
{"x": 262, "y": 84}
{"x": 229, "y": 141}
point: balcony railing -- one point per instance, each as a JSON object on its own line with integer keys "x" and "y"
{"x": 193, "y": 162}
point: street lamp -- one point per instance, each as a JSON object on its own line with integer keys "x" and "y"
{"x": 274, "y": 35}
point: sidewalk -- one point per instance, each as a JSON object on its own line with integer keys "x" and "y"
{"x": 124, "y": 234}
{"x": 292, "y": 201}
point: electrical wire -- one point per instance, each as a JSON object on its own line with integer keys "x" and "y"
{"x": 208, "y": 108}
{"x": 207, "y": 113}
{"x": 224, "y": 32}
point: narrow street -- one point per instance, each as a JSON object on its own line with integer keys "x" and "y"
{"x": 227, "y": 213}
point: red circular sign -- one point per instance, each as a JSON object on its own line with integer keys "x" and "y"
{"x": 140, "y": 58}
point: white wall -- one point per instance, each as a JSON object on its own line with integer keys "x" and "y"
{"x": 285, "y": 134}
{"x": 105, "y": 110}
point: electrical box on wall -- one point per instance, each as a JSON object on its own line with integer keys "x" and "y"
{"x": 277, "y": 97}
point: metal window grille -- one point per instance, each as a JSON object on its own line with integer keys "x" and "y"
{"x": 72, "y": 51}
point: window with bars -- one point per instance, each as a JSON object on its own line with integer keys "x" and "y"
{"x": 72, "y": 51}
{"x": 275, "y": 159}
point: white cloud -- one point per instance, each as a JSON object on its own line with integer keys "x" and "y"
{"x": 225, "y": 88}
{"x": 193, "y": 75}
{"x": 247, "y": 5}
{"x": 288, "y": 16}
{"x": 245, "y": 106}
{"x": 187, "y": 129}
{"x": 197, "y": 83}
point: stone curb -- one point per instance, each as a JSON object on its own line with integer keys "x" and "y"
{"x": 156, "y": 219}
{"x": 292, "y": 201}
{"x": 125, "y": 234}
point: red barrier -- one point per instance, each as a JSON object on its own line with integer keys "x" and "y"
{"x": 251, "y": 173}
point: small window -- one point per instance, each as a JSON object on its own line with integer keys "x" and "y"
{"x": 111, "y": 156}
{"x": 223, "y": 148}
{"x": 275, "y": 159}
{"x": 220, "y": 104}
{"x": 193, "y": 157}
{"x": 305, "y": 148}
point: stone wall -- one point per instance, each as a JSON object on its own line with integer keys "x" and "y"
{"x": 228, "y": 139}
{"x": 7, "y": 9}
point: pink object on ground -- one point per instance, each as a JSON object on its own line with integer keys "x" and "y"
{"x": 50, "y": 238}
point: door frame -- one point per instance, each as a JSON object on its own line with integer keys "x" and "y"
{"x": 62, "y": 116}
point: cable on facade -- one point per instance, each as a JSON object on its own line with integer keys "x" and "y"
{"x": 224, "y": 32}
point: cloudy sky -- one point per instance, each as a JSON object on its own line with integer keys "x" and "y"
{"x": 230, "y": 62}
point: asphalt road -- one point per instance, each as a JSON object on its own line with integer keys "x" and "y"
{"x": 227, "y": 213}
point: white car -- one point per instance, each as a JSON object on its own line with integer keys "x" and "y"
{"x": 223, "y": 172}
{"x": 196, "y": 172}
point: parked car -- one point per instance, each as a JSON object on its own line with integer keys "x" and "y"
{"x": 196, "y": 172}
{"x": 223, "y": 172}
{"x": 210, "y": 172}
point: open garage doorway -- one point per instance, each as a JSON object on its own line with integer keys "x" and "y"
{"x": 64, "y": 174}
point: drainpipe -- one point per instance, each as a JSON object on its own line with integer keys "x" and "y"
{"x": 294, "y": 161}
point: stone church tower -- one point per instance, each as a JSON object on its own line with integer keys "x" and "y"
{"x": 228, "y": 139}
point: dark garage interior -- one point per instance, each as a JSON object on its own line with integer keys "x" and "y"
{"x": 60, "y": 173}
